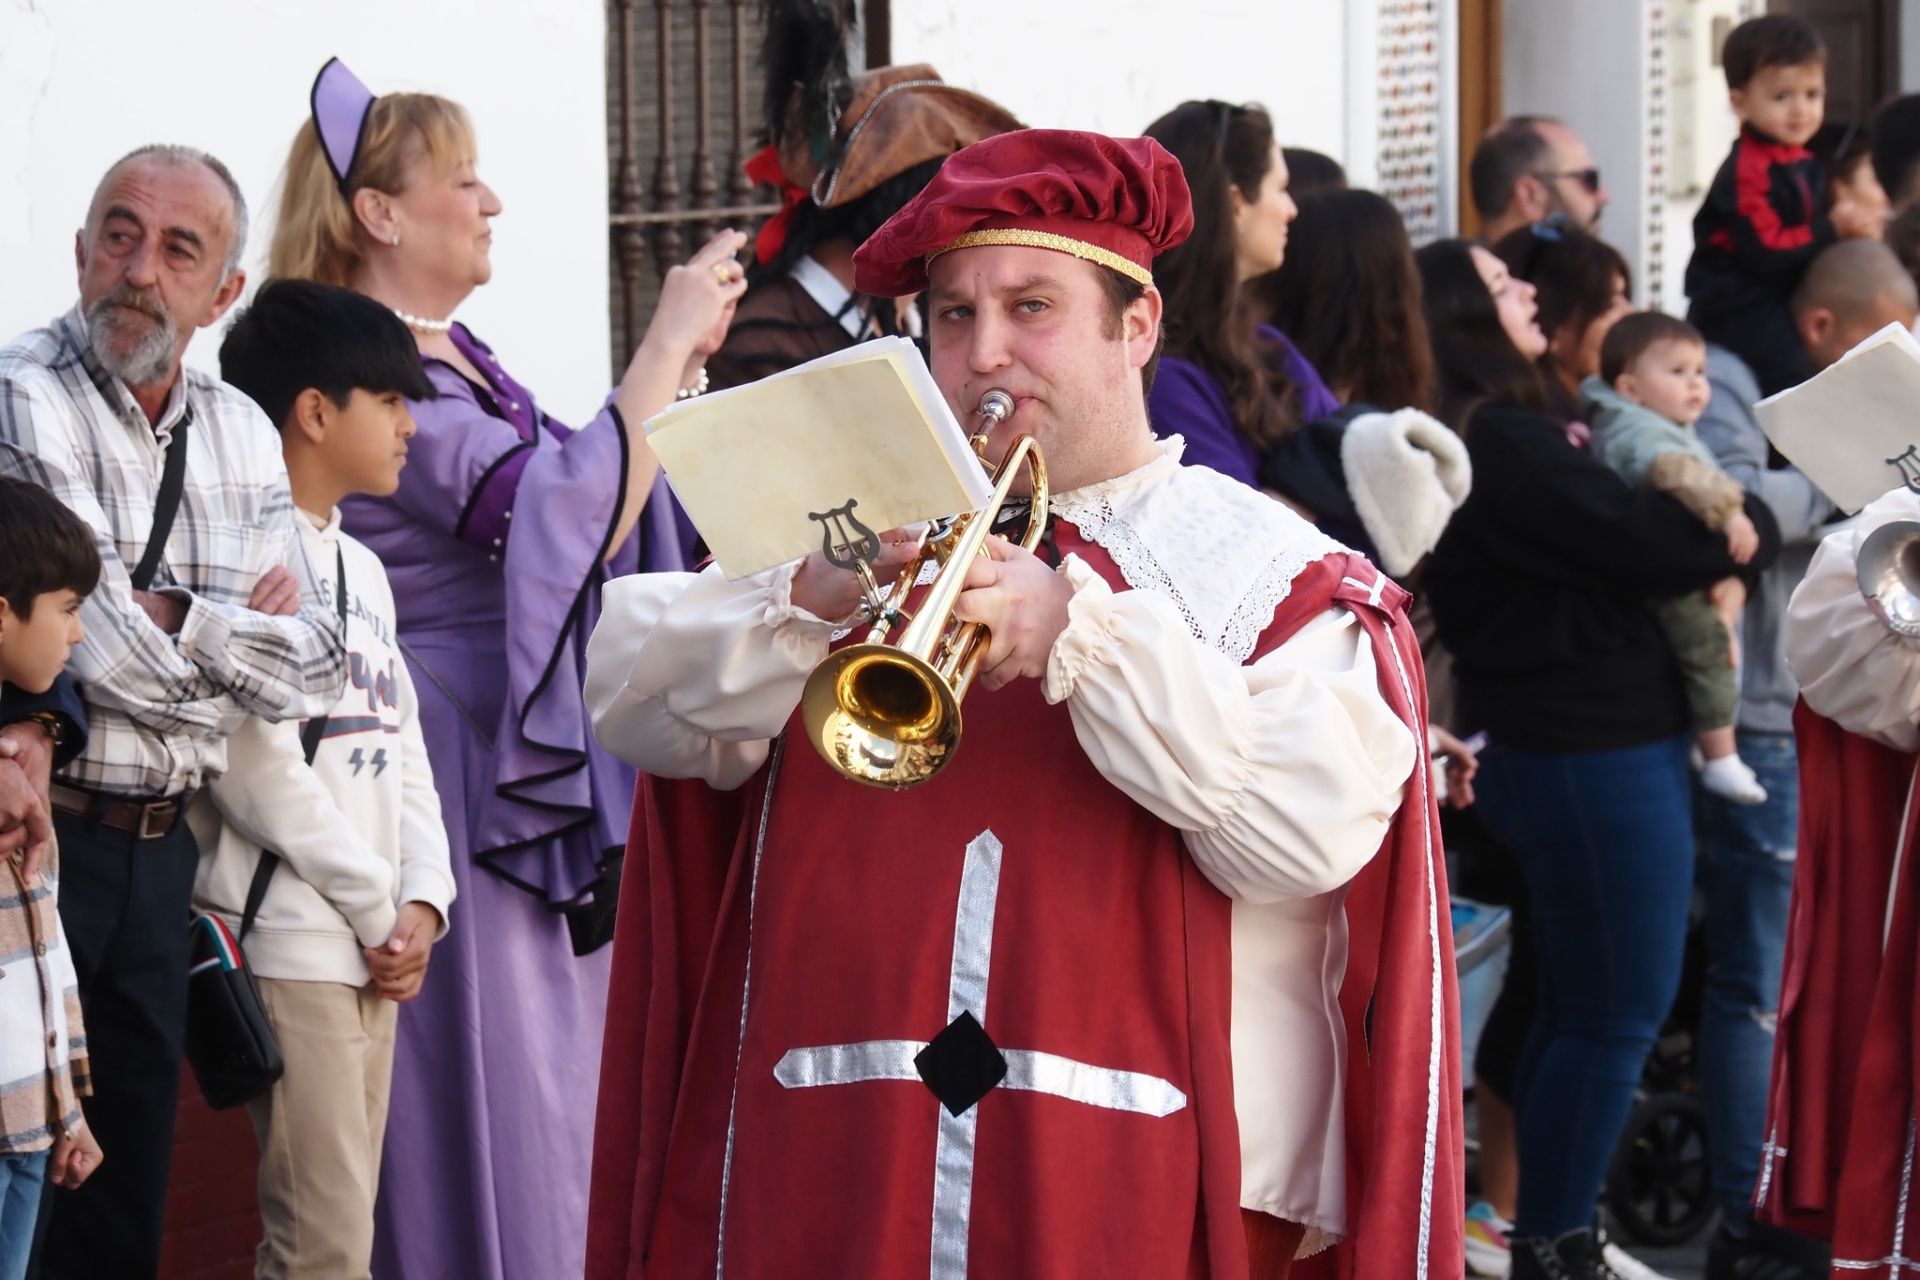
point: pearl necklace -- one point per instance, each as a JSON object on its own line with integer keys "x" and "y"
{"x": 421, "y": 324}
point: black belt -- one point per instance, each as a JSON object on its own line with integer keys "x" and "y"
{"x": 145, "y": 819}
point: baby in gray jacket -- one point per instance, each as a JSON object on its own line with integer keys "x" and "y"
{"x": 1652, "y": 388}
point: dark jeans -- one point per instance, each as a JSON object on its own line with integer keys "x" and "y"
{"x": 1503, "y": 1040}
{"x": 1605, "y": 843}
{"x": 23, "y": 1180}
{"x": 1747, "y": 856}
{"x": 124, "y": 905}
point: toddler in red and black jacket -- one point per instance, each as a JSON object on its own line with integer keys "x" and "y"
{"x": 1763, "y": 219}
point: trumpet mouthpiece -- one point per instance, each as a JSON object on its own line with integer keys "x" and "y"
{"x": 995, "y": 406}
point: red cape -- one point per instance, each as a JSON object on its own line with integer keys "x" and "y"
{"x": 1838, "y": 1161}
{"x": 1403, "y": 1091}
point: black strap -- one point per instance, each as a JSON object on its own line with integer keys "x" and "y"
{"x": 310, "y": 742}
{"x": 166, "y": 505}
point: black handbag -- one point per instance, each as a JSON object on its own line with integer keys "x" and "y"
{"x": 230, "y": 1041}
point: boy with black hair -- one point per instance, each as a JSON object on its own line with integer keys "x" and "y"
{"x": 48, "y": 565}
{"x": 1766, "y": 215}
{"x": 343, "y": 932}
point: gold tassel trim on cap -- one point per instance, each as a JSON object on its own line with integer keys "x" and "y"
{"x": 1048, "y": 240}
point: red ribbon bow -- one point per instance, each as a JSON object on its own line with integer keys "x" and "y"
{"x": 764, "y": 168}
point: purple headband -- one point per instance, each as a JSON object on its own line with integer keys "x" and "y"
{"x": 341, "y": 106}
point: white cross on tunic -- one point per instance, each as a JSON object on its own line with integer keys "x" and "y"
{"x": 1028, "y": 1069}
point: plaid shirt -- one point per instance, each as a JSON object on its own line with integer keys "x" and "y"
{"x": 162, "y": 706}
{"x": 43, "y": 1043}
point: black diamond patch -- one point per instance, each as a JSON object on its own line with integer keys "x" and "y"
{"x": 961, "y": 1064}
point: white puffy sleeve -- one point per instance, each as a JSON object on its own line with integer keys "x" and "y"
{"x": 1282, "y": 775}
{"x": 1852, "y": 669}
{"x": 690, "y": 676}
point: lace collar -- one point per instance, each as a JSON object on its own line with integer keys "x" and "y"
{"x": 1223, "y": 553}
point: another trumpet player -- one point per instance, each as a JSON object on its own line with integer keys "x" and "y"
{"x": 1155, "y": 979}
{"x": 1839, "y": 1152}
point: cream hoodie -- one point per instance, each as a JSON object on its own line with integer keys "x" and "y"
{"x": 360, "y": 831}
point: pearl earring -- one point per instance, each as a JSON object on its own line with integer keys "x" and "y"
{"x": 396, "y": 239}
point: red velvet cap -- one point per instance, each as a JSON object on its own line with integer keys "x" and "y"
{"x": 1118, "y": 202}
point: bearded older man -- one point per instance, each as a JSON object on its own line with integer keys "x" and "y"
{"x": 197, "y": 623}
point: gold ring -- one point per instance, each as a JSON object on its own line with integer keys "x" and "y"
{"x": 723, "y": 271}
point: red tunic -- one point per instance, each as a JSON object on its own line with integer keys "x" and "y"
{"x": 1838, "y": 1162}
{"x": 770, "y": 941}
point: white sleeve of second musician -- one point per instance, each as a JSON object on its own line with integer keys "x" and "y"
{"x": 1850, "y": 667}
{"x": 690, "y": 676}
{"x": 1282, "y": 776}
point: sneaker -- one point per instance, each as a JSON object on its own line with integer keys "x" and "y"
{"x": 1731, "y": 779}
{"x": 1765, "y": 1253}
{"x": 1487, "y": 1252}
{"x": 1625, "y": 1265}
{"x": 1576, "y": 1255}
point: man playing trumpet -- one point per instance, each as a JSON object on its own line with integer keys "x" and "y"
{"x": 1155, "y": 977}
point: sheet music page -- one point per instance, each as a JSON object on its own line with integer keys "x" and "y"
{"x": 859, "y": 439}
{"x": 1854, "y": 427}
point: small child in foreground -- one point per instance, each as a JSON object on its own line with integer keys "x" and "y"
{"x": 49, "y": 563}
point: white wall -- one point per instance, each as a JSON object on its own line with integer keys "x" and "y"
{"x": 1582, "y": 62}
{"x": 1116, "y": 66}
{"x": 1909, "y": 44}
{"x": 84, "y": 81}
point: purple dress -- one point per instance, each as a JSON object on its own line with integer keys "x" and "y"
{"x": 497, "y": 544}
{"x": 1187, "y": 402}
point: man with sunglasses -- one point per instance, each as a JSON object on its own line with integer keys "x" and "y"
{"x": 1531, "y": 168}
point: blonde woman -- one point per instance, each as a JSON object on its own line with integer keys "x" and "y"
{"x": 504, "y": 529}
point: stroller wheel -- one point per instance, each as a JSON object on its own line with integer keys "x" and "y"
{"x": 1658, "y": 1189}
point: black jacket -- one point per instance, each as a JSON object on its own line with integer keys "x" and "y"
{"x": 1762, "y": 222}
{"x": 1543, "y": 589}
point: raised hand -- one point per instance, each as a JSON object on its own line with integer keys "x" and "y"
{"x": 698, "y": 297}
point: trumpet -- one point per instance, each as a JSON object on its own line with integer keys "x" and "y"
{"x": 886, "y": 711}
{"x": 1888, "y": 566}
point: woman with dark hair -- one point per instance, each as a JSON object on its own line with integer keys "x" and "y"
{"x": 1311, "y": 172}
{"x": 1230, "y": 387}
{"x": 1381, "y": 475}
{"x": 1582, "y": 286}
{"x": 1348, "y": 295}
{"x": 1539, "y": 587}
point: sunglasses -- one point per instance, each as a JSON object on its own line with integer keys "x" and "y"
{"x": 1588, "y": 178}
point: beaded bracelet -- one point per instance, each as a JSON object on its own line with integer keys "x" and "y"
{"x": 699, "y": 387}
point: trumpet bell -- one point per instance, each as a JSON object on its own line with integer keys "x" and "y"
{"x": 1888, "y": 565}
{"x": 881, "y": 716}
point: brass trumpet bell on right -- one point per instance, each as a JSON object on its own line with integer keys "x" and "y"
{"x": 1888, "y": 566}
